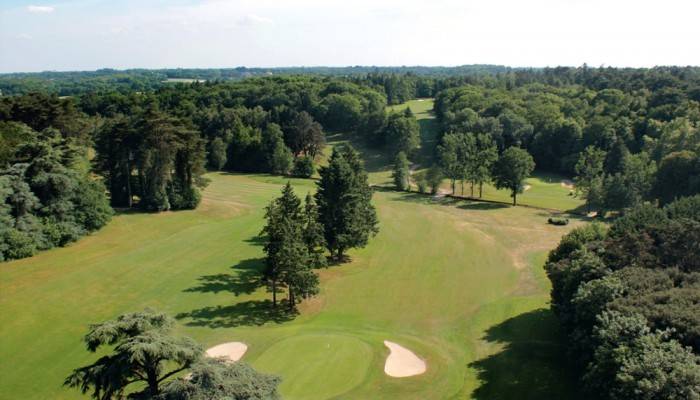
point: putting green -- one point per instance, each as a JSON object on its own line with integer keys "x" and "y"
{"x": 317, "y": 366}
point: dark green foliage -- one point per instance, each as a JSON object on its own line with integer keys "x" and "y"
{"x": 255, "y": 125}
{"x": 292, "y": 246}
{"x": 154, "y": 157}
{"x": 630, "y": 301}
{"x": 279, "y": 157}
{"x": 486, "y": 154}
{"x": 678, "y": 175}
{"x": 558, "y": 221}
{"x": 12, "y": 135}
{"x": 577, "y": 240}
{"x": 429, "y": 180}
{"x": 217, "y": 154}
{"x": 457, "y": 156}
{"x": 342, "y": 111}
{"x": 686, "y": 207}
{"x": 47, "y": 197}
{"x": 632, "y": 362}
{"x": 212, "y": 379}
{"x": 144, "y": 351}
{"x": 511, "y": 169}
{"x": 305, "y": 136}
{"x": 303, "y": 167}
{"x": 433, "y": 178}
{"x": 401, "y": 172}
{"x": 344, "y": 201}
{"x": 633, "y": 119}
{"x": 401, "y": 133}
{"x": 590, "y": 176}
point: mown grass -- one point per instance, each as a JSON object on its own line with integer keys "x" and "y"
{"x": 458, "y": 283}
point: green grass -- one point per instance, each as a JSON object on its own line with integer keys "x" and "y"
{"x": 325, "y": 359}
{"x": 459, "y": 283}
{"x": 542, "y": 190}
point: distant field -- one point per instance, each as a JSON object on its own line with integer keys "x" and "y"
{"x": 183, "y": 80}
{"x": 459, "y": 283}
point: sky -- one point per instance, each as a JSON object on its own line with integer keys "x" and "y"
{"x": 65, "y": 35}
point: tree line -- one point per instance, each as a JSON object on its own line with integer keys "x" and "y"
{"x": 628, "y": 297}
{"x": 469, "y": 158}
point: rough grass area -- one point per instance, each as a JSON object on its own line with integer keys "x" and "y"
{"x": 458, "y": 283}
{"x": 449, "y": 280}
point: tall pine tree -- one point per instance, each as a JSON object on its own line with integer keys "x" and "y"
{"x": 344, "y": 201}
{"x": 291, "y": 245}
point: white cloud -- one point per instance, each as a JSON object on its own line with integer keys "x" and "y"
{"x": 24, "y": 36}
{"x": 224, "y": 33}
{"x": 40, "y": 9}
{"x": 252, "y": 19}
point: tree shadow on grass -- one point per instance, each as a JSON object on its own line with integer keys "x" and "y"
{"x": 425, "y": 198}
{"x": 479, "y": 205}
{"x": 246, "y": 313}
{"x": 256, "y": 240}
{"x": 244, "y": 280}
{"x": 532, "y": 363}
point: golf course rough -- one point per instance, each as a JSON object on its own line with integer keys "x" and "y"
{"x": 458, "y": 283}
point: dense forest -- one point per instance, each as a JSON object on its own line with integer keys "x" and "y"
{"x": 628, "y": 138}
{"x": 629, "y": 299}
{"x": 72, "y": 83}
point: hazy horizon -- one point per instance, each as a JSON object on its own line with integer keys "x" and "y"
{"x": 335, "y": 66}
{"x": 86, "y": 35}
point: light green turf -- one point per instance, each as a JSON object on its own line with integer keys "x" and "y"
{"x": 324, "y": 358}
{"x": 458, "y": 283}
{"x": 542, "y": 190}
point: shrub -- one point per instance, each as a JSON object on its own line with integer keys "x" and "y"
{"x": 303, "y": 167}
{"x": 421, "y": 182}
{"x": 16, "y": 244}
{"x": 558, "y": 221}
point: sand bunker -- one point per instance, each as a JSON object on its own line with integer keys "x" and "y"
{"x": 402, "y": 362}
{"x": 231, "y": 351}
{"x": 567, "y": 183}
{"x": 526, "y": 188}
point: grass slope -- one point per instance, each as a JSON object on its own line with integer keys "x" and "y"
{"x": 459, "y": 283}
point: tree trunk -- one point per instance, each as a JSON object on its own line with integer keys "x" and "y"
{"x": 515, "y": 196}
{"x": 128, "y": 183}
{"x": 339, "y": 256}
{"x": 453, "y": 186}
{"x": 481, "y": 188}
{"x": 461, "y": 183}
{"x": 291, "y": 299}
{"x": 472, "y": 188}
{"x": 152, "y": 382}
{"x": 274, "y": 293}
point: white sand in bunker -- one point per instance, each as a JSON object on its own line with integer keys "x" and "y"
{"x": 402, "y": 362}
{"x": 231, "y": 351}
